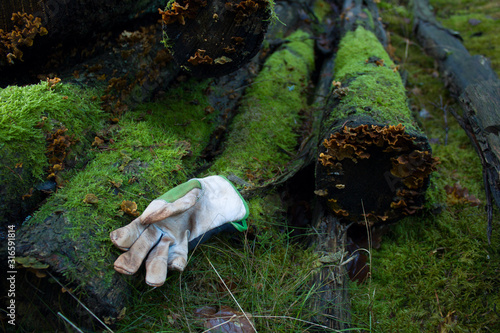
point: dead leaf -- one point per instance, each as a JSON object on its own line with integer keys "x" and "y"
{"x": 460, "y": 195}
{"x": 97, "y": 142}
{"x": 122, "y": 313}
{"x": 226, "y": 320}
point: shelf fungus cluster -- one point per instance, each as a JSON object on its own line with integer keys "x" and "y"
{"x": 373, "y": 173}
{"x": 26, "y": 28}
{"x": 215, "y": 38}
{"x": 179, "y": 13}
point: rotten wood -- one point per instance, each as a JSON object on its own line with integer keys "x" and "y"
{"x": 475, "y": 85}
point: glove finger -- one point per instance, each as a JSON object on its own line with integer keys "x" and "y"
{"x": 130, "y": 261}
{"x": 156, "y": 264}
{"x": 159, "y": 209}
{"x": 124, "y": 237}
{"x": 177, "y": 258}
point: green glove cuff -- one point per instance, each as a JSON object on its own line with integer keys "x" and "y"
{"x": 242, "y": 224}
{"x": 180, "y": 190}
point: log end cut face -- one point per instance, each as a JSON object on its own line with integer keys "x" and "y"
{"x": 373, "y": 173}
{"x": 214, "y": 38}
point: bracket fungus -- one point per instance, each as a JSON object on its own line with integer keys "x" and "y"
{"x": 26, "y": 28}
{"x": 373, "y": 173}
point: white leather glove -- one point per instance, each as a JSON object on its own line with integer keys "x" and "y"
{"x": 182, "y": 216}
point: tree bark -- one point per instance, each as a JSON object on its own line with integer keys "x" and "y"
{"x": 71, "y": 21}
{"x": 475, "y": 85}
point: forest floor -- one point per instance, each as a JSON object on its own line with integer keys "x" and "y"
{"x": 432, "y": 272}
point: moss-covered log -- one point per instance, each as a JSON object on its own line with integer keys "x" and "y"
{"x": 475, "y": 85}
{"x": 150, "y": 150}
{"x": 264, "y": 135}
{"x": 374, "y": 162}
{"x": 46, "y": 129}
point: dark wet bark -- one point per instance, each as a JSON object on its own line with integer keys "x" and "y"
{"x": 475, "y": 85}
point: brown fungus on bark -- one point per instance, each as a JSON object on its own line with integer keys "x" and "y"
{"x": 179, "y": 13}
{"x": 246, "y": 8}
{"x": 373, "y": 173}
{"x": 26, "y": 28}
{"x": 223, "y": 28}
{"x": 200, "y": 58}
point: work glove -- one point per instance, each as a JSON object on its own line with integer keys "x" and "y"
{"x": 185, "y": 215}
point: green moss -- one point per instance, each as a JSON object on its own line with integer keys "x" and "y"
{"x": 263, "y": 134}
{"x": 154, "y": 149}
{"x": 373, "y": 90}
{"x": 23, "y": 129}
{"x": 28, "y": 116}
{"x": 482, "y": 34}
{"x": 321, "y": 9}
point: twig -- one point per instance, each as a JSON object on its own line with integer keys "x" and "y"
{"x": 69, "y": 322}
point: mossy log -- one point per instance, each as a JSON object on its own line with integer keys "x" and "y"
{"x": 152, "y": 149}
{"x": 475, "y": 85}
{"x": 374, "y": 162}
{"x": 45, "y": 131}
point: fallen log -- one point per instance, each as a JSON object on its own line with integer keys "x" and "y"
{"x": 46, "y": 23}
{"x": 137, "y": 161}
{"x": 475, "y": 85}
{"x": 263, "y": 136}
{"x": 374, "y": 162}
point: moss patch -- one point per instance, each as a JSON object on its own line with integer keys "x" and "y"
{"x": 370, "y": 85}
{"x": 477, "y": 23}
{"x": 31, "y": 118}
{"x": 263, "y": 135}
